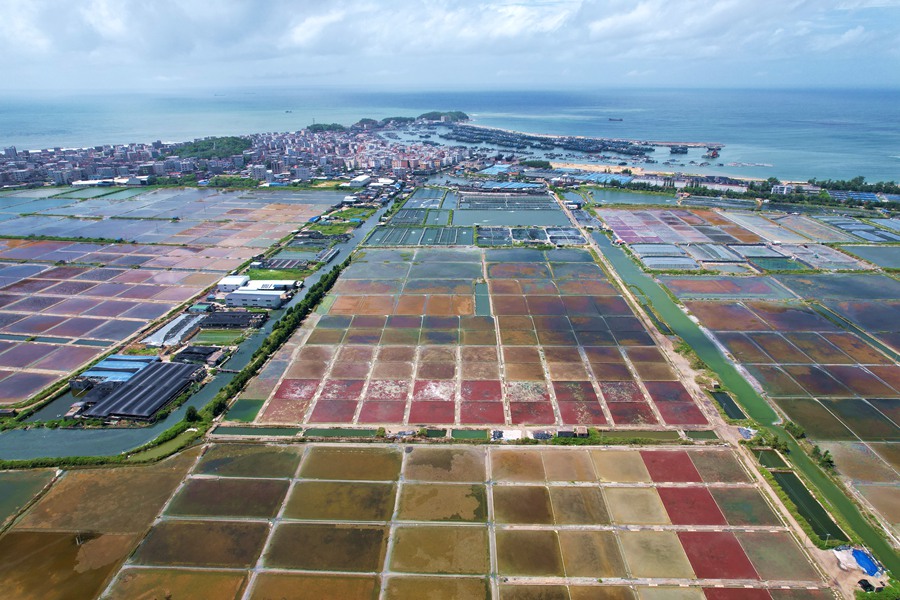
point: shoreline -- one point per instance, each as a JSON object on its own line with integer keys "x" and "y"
{"x": 660, "y": 143}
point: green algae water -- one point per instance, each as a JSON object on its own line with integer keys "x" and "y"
{"x": 728, "y": 405}
{"x": 482, "y": 300}
{"x": 753, "y": 404}
{"x": 807, "y": 506}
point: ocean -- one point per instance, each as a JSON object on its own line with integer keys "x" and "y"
{"x": 788, "y": 134}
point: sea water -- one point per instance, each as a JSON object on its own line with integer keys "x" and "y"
{"x": 789, "y": 134}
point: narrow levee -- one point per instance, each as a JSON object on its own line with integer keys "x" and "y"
{"x": 755, "y": 405}
{"x": 38, "y": 442}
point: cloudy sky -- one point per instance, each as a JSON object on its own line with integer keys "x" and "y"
{"x": 448, "y": 44}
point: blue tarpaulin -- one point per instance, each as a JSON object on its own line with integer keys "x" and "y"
{"x": 866, "y": 562}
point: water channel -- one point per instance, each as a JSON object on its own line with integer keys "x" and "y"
{"x": 753, "y": 404}
{"x": 21, "y": 444}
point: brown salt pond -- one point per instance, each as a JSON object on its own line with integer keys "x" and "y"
{"x": 441, "y": 550}
{"x": 341, "y": 501}
{"x": 443, "y": 502}
{"x": 149, "y": 584}
{"x": 330, "y": 462}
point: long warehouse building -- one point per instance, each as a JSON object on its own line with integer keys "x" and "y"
{"x": 147, "y": 391}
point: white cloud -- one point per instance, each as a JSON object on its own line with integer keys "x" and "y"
{"x": 859, "y": 4}
{"x": 311, "y": 28}
{"x": 850, "y": 37}
{"x": 105, "y": 17}
{"x": 22, "y": 34}
{"x": 447, "y": 43}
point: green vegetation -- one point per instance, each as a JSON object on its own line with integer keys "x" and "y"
{"x": 355, "y": 213}
{"x": 536, "y": 164}
{"x": 218, "y": 337}
{"x": 763, "y": 190}
{"x": 857, "y": 184}
{"x": 454, "y": 116}
{"x": 216, "y": 147}
{"x": 824, "y": 459}
{"x": 767, "y": 439}
{"x": 176, "y": 403}
{"x": 183, "y": 433}
{"x": 192, "y": 416}
{"x": 57, "y": 238}
{"x": 685, "y": 349}
{"x": 141, "y": 351}
{"x": 231, "y": 181}
{"x": 320, "y": 127}
{"x": 279, "y": 273}
{"x": 179, "y": 442}
{"x": 368, "y": 123}
{"x": 189, "y": 180}
{"x": 596, "y": 437}
{"x": 330, "y": 229}
{"x": 890, "y": 592}
{"x": 795, "y": 430}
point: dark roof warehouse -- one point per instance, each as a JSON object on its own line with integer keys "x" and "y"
{"x": 148, "y": 391}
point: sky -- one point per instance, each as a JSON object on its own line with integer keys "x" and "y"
{"x": 99, "y": 45}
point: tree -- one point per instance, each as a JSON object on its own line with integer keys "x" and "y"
{"x": 795, "y": 430}
{"x": 216, "y": 147}
{"x": 220, "y": 406}
{"x": 192, "y": 416}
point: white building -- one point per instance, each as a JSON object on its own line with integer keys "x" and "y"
{"x": 255, "y": 298}
{"x": 232, "y": 282}
{"x": 270, "y": 284}
{"x": 360, "y": 181}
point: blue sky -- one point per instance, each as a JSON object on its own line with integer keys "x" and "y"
{"x": 91, "y": 45}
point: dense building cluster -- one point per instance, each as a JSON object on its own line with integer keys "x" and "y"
{"x": 272, "y": 157}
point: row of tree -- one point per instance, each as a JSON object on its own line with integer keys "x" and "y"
{"x": 215, "y": 147}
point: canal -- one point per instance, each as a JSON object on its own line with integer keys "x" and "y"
{"x": 754, "y": 404}
{"x": 22, "y": 444}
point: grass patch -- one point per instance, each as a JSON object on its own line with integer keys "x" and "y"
{"x": 355, "y": 213}
{"x": 331, "y": 229}
{"x": 279, "y": 273}
{"x": 218, "y": 337}
{"x": 164, "y": 449}
{"x": 141, "y": 351}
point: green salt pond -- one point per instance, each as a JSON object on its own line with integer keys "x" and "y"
{"x": 17, "y": 488}
{"x": 245, "y": 410}
{"x": 754, "y": 405}
{"x": 701, "y": 435}
{"x": 728, "y": 404}
{"x": 258, "y": 431}
{"x": 808, "y": 507}
{"x": 339, "y": 432}
{"x": 770, "y": 459}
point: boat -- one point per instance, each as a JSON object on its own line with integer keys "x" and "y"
{"x": 711, "y": 153}
{"x": 615, "y": 120}
{"x": 678, "y": 150}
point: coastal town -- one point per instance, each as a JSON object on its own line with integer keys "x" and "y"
{"x": 410, "y": 150}
{"x": 285, "y": 321}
